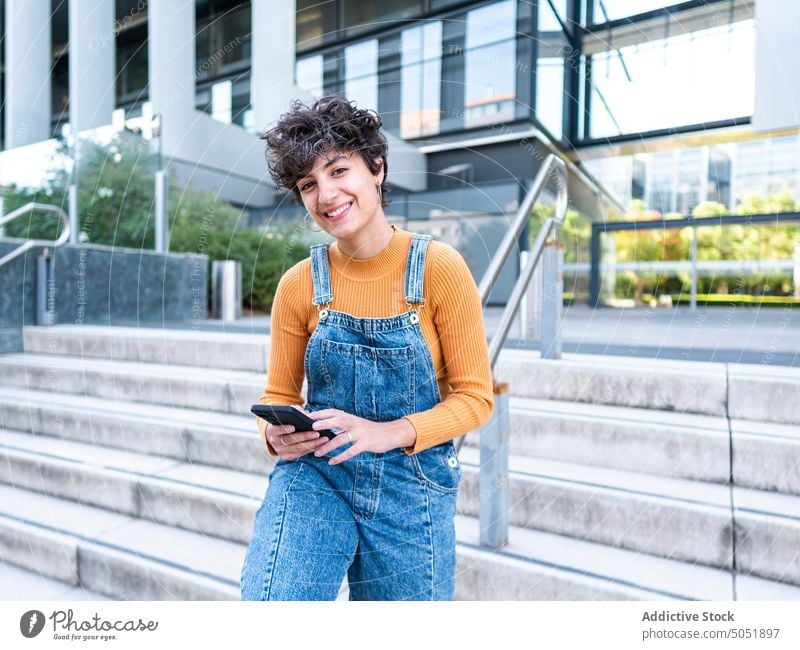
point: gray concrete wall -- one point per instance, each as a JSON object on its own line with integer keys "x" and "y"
{"x": 105, "y": 285}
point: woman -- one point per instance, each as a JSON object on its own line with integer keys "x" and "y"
{"x": 387, "y": 329}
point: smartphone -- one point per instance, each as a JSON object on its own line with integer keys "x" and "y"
{"x": 288, "y": 415}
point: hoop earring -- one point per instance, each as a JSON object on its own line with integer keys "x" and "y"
{"x": 306, "y": 221}
{"x": 380, "y": 194}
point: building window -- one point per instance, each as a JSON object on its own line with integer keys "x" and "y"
{"x": 433, "y": 77}
{"x": 222, "y": 40}
{"x": 221, "y": 101}
{"x": 420, "y": 80}
{"x": 357, "y": 14}
{"x": 227, "y": 101}
{"x": 361, "y": 73}
{"x": 316, "y": 23}
{"x": 490, "y": 64}
{"x": 605, "y": 10}
{"x": 132, "y": 66}
{"x": 553, "y": 47}
{"x": 641, "y": 82}
{"x": 309, "y": 75}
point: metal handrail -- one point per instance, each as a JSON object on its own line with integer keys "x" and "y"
{"x": 551, "y": 163}
{"x": 31, "y": 243}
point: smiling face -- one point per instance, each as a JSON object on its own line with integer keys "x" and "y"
{"x": 341, "y": 194}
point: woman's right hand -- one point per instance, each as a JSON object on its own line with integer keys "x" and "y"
{"x": 289, "y": 444}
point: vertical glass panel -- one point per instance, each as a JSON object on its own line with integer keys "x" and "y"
{"x": 702, "y": 76}
{"x": 490, "y": 59}
{"x": 453, "y": 74}
{"x": 131, "y": 67}
{"x": 552, "y": 47}
{"x": 315, "y": 22}
{"x": 222, "y": 39}
{"x": 691, "y": 172}
{"x": 547, "y": 19}
{"x": 613, "y": 9}
{"x": 550, "y": 94}
{"x": 309, "y": 75}
{"x": 421, "y": 68}
{"x": 492, "y": 23}
{"x": 443, "y": 4}
{"x": 221, "y": 101}
{"x": 719, "y": 175}
{"x": 662, "y": 182}
{"x": 359, "y": 13}
{"x": 361, "y": 73}
{"x": 240, "y": 99}
{"x": 60, "y": 90}
{"x": 766, "y": 167}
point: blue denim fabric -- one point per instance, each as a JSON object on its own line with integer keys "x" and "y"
{"x": 386, "y": 520}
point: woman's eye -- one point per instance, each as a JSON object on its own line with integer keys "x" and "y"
{"x": 304, "y": 187}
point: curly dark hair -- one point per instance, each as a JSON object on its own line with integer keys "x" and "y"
{"x": 330, "y": 123}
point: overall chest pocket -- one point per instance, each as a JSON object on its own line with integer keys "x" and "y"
{"x": 371, "y": 382}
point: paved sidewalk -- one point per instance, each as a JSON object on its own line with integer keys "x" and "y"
{"x": 735, "y": 334}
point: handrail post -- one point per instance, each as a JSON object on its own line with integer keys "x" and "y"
{"x": 594, "y": 266}
{"x": 45, "y": 290}
{"x": 74, "y": 220}
{"x": 493, "y": 482}
{"x": 552, "y": 299}
{"x": 693, "y": 290}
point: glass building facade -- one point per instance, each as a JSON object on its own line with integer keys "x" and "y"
{"x": 582, "y": 70}
{"x": 585, "y": 72}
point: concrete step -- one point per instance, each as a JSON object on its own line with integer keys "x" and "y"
{"x": 193, "y": 348}
{"x": 18, "y": 584}
{"x": 752, "y": 392}
{"x": 666, "y": 443}
{"x": 697, "y": 447}
{"x": 191, "y": 435}
{"x": 101, "y": 552}
{"x": 765, "y": 393}
{"x": 113, "y": 554}
{"x": 670, "y": 518}
{"x": 227, "y": 391}
{"x": 537, "y": 565}
{"x": 208, "y": 500}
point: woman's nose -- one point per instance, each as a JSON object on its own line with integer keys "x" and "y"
{"x": 328, "y": 194}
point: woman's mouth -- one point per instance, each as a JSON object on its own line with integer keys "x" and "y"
{"x": 339, "y": 213}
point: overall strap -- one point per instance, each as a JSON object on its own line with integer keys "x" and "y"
{"x": 415, "y": 268}
{"x": 321, "y": 275}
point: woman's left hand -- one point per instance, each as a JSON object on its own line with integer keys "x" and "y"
{"x": 364, "y": 434}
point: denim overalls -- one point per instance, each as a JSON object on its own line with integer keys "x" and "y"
{"x": 384, "y": 519}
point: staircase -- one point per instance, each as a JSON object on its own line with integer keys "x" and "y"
{"x": 131, "y": 469}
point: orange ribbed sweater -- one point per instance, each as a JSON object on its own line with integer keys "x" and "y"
{"x": 451, "y": 321}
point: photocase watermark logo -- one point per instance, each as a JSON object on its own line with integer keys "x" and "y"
{"x": 67, "y": 628}
{"x": 31, "y": 623}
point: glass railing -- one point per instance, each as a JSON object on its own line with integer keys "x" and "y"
{"x": 749, "y": 259}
